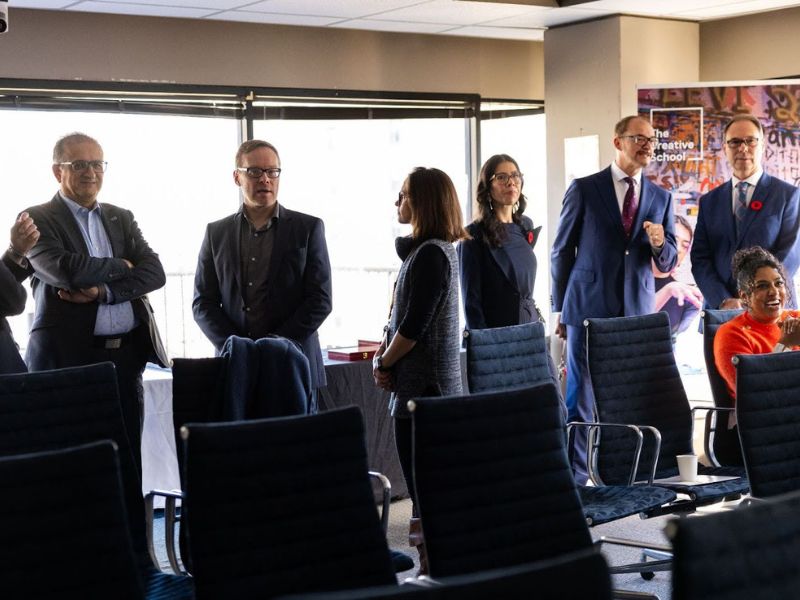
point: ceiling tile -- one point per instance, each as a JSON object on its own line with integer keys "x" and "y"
{"x": 346, "y": 9}
{"x": 739, "y": 8}
{"x": 206, "y": 4}
{"x": 122, "y": 8}
{"x": 47, "y": 4}
{"x": 398, "y": 26}
{"x": 275, "y": 19}
{"x": 548, "y": 17}
{"x": 454, "y": 13}
{"x": 504, "y": 33}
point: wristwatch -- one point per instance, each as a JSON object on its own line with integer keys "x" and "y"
{"x": 379, "y": 364}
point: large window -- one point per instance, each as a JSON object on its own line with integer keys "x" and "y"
{"x": 170, "y": 151}
{"x": 349, "y": 174}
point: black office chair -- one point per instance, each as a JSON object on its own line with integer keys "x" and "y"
{"x": 553, "y": 579}
{"x": 768, "y": 416}
{"x": 49, "y": 410}
{"x": 63, "y": 526}
{"x": 504, "y": 358}
{"x": 279, "y": 506}
{"x": 494, "y": 485}
{"x": 507, "y": 357}
{"x": 721, "y": 444}
{"x": 749, "y": 553}
{"x": 635, "y": 380}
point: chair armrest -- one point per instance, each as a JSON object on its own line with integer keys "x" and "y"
{"x": 637, "y": 429}
{"x": 170, "y": 519}
{"x": 710, "y": 428}
{"x": 386, "y": 486}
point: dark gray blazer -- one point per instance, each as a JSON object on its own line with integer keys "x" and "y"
{"x": 299, "y": 284}
{"x": 12, "y": 302}
{"x": 62, "y": 332}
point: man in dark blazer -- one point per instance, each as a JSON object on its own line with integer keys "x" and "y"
{"x": 13, "y": 270}
{"x": 92, "y": 268}
{"x": 750, "y": 209}
{"x": 612, "y": 224}
{"x": 264, "y": 270}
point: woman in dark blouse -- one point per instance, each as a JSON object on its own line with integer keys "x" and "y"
{"x": 498, "y": 267}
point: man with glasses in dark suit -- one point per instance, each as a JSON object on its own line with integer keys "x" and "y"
{"x": 753, "y": 208}
{"x": 92, "y": 269}
{"x": 264, "y": 270}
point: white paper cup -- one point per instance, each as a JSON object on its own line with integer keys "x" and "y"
{"x": 687, "y": 467}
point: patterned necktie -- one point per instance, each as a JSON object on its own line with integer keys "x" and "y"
{"x": 629, "y": 206}
{"x": 741, "y": 204}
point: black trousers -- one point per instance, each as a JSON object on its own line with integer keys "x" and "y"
{"x": 129, "y": 361}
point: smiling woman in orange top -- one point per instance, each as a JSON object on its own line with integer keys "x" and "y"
{"x": 764, "y": 326}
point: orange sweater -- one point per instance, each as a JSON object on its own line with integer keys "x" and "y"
{"x": 745, "y": 335}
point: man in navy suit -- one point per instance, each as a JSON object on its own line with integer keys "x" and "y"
{"x": 612, "y": 224}
{"x": 751, "y": 209}
{"x": 264, "y": 270}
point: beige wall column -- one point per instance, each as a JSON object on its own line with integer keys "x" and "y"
{"x": 591, "y": 73}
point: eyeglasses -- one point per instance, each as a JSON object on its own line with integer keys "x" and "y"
{"x": 734, "y": 143}
{"x": 98, "y": 166}
{"x": 257, "y": 172}
{"x": 402, "y": 196}
{"x": 504, "y": 178}
{"x": 641, "y": 140}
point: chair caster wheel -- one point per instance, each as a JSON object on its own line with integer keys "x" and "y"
{"x": 647, "y": 575}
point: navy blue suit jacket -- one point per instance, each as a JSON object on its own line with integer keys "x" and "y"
{"x": 773, "y": 227}
{"x": 596, "y": 270}
{"x": 488, "y": 281}
{"x": 299, "y": 284}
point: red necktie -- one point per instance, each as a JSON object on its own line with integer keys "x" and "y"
{"x": 629, "y": 206}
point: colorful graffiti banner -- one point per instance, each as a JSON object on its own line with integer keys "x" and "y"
{"x": 688, "y": 120}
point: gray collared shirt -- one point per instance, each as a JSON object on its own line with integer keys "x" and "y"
{"x": 111, "y": 319}
{"x": 255, "y": 250}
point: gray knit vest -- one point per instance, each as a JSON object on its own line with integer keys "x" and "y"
{"x": 433, "y": 366}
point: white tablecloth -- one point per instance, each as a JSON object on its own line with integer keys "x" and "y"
{"x": 159, "y": 461}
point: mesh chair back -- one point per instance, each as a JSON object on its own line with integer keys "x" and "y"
{"x": 768, "y": 414}
{"x": 277, "y": 506}
{"x": 198, "y": 386}
{"x": 50, "y": 410}
{"x": 712, "y": 319}
{"x": 507, "y": 357}
{"x": 545, "y": 580}
{"x": 494, "y": 486}
{"x": 63, "y": 526}
{"x": 635, "y": 380}
{"x": 722, "y": 444}
{"x": 745, "y": 554}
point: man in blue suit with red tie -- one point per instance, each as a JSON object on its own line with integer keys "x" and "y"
{"x": 612, "y": 224}
{"x": 751, "y": 209}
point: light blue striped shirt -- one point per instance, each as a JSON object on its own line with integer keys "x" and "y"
{"x": 112, "y": 319}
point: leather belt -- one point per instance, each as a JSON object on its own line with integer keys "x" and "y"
{"x": 113, "y": 342}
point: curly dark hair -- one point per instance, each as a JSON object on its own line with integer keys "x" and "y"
{"x": 495, "y": 233}
{"x": 746, "y": 263}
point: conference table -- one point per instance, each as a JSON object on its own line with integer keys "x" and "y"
{"x": 349, "y": 383}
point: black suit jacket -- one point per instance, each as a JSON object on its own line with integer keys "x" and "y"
{"x": 299, "y": 284}
{"x": 12, "y": 302}
{"x": 62, "y": 332}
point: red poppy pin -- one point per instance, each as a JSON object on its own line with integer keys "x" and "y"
{"x": 756, "y": 204}
{"x": 531, "y": 237}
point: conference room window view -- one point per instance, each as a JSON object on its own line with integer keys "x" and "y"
{"x": 344, "y": 164}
